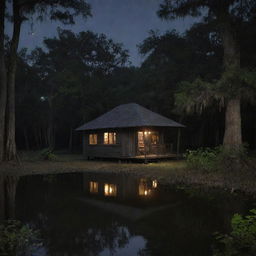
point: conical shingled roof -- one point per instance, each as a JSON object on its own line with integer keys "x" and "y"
{"x": 129, "y": 115}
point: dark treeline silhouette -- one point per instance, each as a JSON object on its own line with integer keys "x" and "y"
{"x": 80, "y": 76}
{"x": 16, "y": 12}
{"x": 204, "y": 78}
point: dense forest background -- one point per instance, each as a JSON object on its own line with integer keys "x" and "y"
{"x": 76, "y": 77}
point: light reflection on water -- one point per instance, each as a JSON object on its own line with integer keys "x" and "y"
{"x": 103, "y": 214}
{"x": 135, "y": 245}
{"x": 144, "y": 187}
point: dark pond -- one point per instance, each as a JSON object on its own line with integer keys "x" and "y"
{"x": 114, "y": 214}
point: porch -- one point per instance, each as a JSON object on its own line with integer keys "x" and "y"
{"x": 153, "y": 144}
{"x": 158, "y": 156}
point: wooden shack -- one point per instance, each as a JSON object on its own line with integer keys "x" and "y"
{"x": 130, "y": 131}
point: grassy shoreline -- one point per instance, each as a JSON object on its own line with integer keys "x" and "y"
{"x": 166, "y": 172}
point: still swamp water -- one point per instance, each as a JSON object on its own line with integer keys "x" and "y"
{"x": 120, "y": 214}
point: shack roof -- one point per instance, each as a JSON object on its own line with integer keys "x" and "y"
{"x": 129, "y": 115}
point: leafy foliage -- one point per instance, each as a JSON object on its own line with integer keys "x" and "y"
{"x": 60, "y": 85}
{"x": 218, "y": 158}
{"x": 64, "y": 11}
{"x": 242, "y": 239}
{"x": 202, "y": 158}
{"x": 227, "y": 17}
{"x": 85, "y": 74}
{"x": 210, "y": 9}
{"x": 196, "y": 96}
{"x": 17, "y": 239}
{"x": 47, "y": 154}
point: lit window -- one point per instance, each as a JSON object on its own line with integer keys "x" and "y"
{"x": 109, "y": 138}
{"x": 93, "y": 139}
{"x": 110, "y": 190}
{"x": 154, "y": 183}
{"x": 149, "y": 137}
{"x": 140, "y": 139}
{"x": 143, "y": 188}
{"x": 155, "y": 138}
{"x": 94, "y": 187}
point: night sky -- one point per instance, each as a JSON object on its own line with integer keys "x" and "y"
{"x": 125, "y": 21}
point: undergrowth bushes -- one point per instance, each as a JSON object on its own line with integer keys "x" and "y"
{"x": 47, "y": 154}
{"x": 17, "y": 239}
{"x": 241, "y": 241}
{"x": 218, "y": 158}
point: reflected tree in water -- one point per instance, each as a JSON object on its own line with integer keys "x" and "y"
{"x": 8, "y": 185}
{"x": 68, "y": 226}
{"x": 82, "y": 231}
{"x": 185, "y": 226}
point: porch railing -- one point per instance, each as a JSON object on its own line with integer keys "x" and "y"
{"x": 161, "y": 149}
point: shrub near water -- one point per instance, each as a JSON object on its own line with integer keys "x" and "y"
{"x": 47, "y": 154}
{"x": 242, "y": 239}
{"x": 218, "y": 158}
{"x": 17, "y": 239}
{"x": 203, "y": 158}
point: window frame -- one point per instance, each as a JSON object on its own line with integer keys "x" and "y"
{"x": 155, "y": 142}
{"x": 93, "y": 137}
{"x": 141, "y": 139}
{"x": 106, "y": 140}
{"x": 94, "y": 187}
{"x": 110, "y": 189}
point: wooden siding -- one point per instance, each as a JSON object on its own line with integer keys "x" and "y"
{"x": 105, "y": 150}
{"x": 126, "y": 144}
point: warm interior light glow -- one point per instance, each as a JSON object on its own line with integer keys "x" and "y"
{"x": 140, "y": 139}
{"x": 154, "y": 183}
{"x": 92, "y": 139}
{"x": 143, "y": 188}
{"x": 155, "y": 138}
{"x": 94, "y": 187}
{"x": 109, "y": 137}
{"x": 110, "y": 189}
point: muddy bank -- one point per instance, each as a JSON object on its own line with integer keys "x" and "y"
{"x": 169, "y": 172}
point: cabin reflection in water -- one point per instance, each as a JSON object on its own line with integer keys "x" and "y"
{"x": 144, "y": 189}
{"x": 124, "y": 186}
{"x": 154, "y": 183}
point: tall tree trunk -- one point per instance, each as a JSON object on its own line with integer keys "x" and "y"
{"x": 40, "y": 138}
{"x": 36, "y": 140}
{"x": 11, "y": 153}
{"x": 51, "y": 129}
{"x": 3, "y": 85}
{"x": 233, "y": 134}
